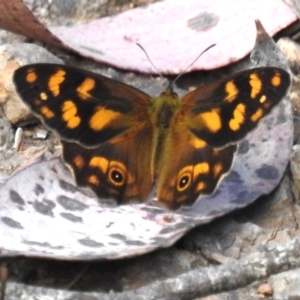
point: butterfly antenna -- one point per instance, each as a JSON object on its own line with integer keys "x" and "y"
{"x": 172, "y": 83}
{"x": 150, "y": 60}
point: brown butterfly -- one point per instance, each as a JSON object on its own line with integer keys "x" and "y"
{"x": 122, "y": 143}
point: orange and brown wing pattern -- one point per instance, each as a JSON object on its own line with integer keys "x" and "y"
{"x": 202, "y": 139}
{"x": 105, "y": 127}
{"x": 224, "y": 112}
{"x": 119, "y": 171}
{"x": 190, "y": 169}
{"x": 108, "y": 130}
{"x": 81, "y": 106}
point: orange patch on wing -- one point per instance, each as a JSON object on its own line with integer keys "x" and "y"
{"x": 55, "y": 81}
{"x": 47, "y": 112}
{"x": 238, "y": 117}
{"x": 102, "y": 117}
{"x": 93, "y": 180}
{"x": 201, "y": 168}
{"x": 100, "y": 162}
{"x": 276, "y": 79}
{"x": 79, "y": 161}
{"x": 263, "y": 99}
{"x": 212, "y": 120}
{"x": 31, "y": 76}
{"x": 201, "y": 186}
{"x": 43, "y": 96}
{"x": 217, "y": 169}
{"x": 231, "y": 90}
{"x": 69, "y": 114}
{"x": 196, "y": 142}
{"x": 255, "y": 84}
{"x": 257, "y": 115}
{"x": 84, "y": 89}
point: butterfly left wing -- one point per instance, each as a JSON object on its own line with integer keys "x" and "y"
{"x": 79, "y": 105}
{"x": 105, "y": 126}
{"x": 224, "y": 112}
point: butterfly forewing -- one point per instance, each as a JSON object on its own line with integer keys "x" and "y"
{"x": 224, "y": 112}
{"x": 79, "y": 105}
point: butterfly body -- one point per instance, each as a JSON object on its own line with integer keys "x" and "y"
{"x": 122, "y": 143}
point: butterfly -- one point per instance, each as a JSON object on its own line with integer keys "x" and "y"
{"x": 124, "y": 144}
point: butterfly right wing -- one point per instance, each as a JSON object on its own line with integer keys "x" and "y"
{"x": 224, "y": 112}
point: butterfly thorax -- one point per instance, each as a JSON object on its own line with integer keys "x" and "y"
{"x": 163, "y": 109}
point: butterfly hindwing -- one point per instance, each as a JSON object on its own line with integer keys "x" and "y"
{"x": 190, "y": 169}
{"x": 119, "y": 170}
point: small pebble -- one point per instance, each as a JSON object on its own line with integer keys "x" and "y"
{"x": 40, "y": 134}
{"x": 265, "y": 290}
